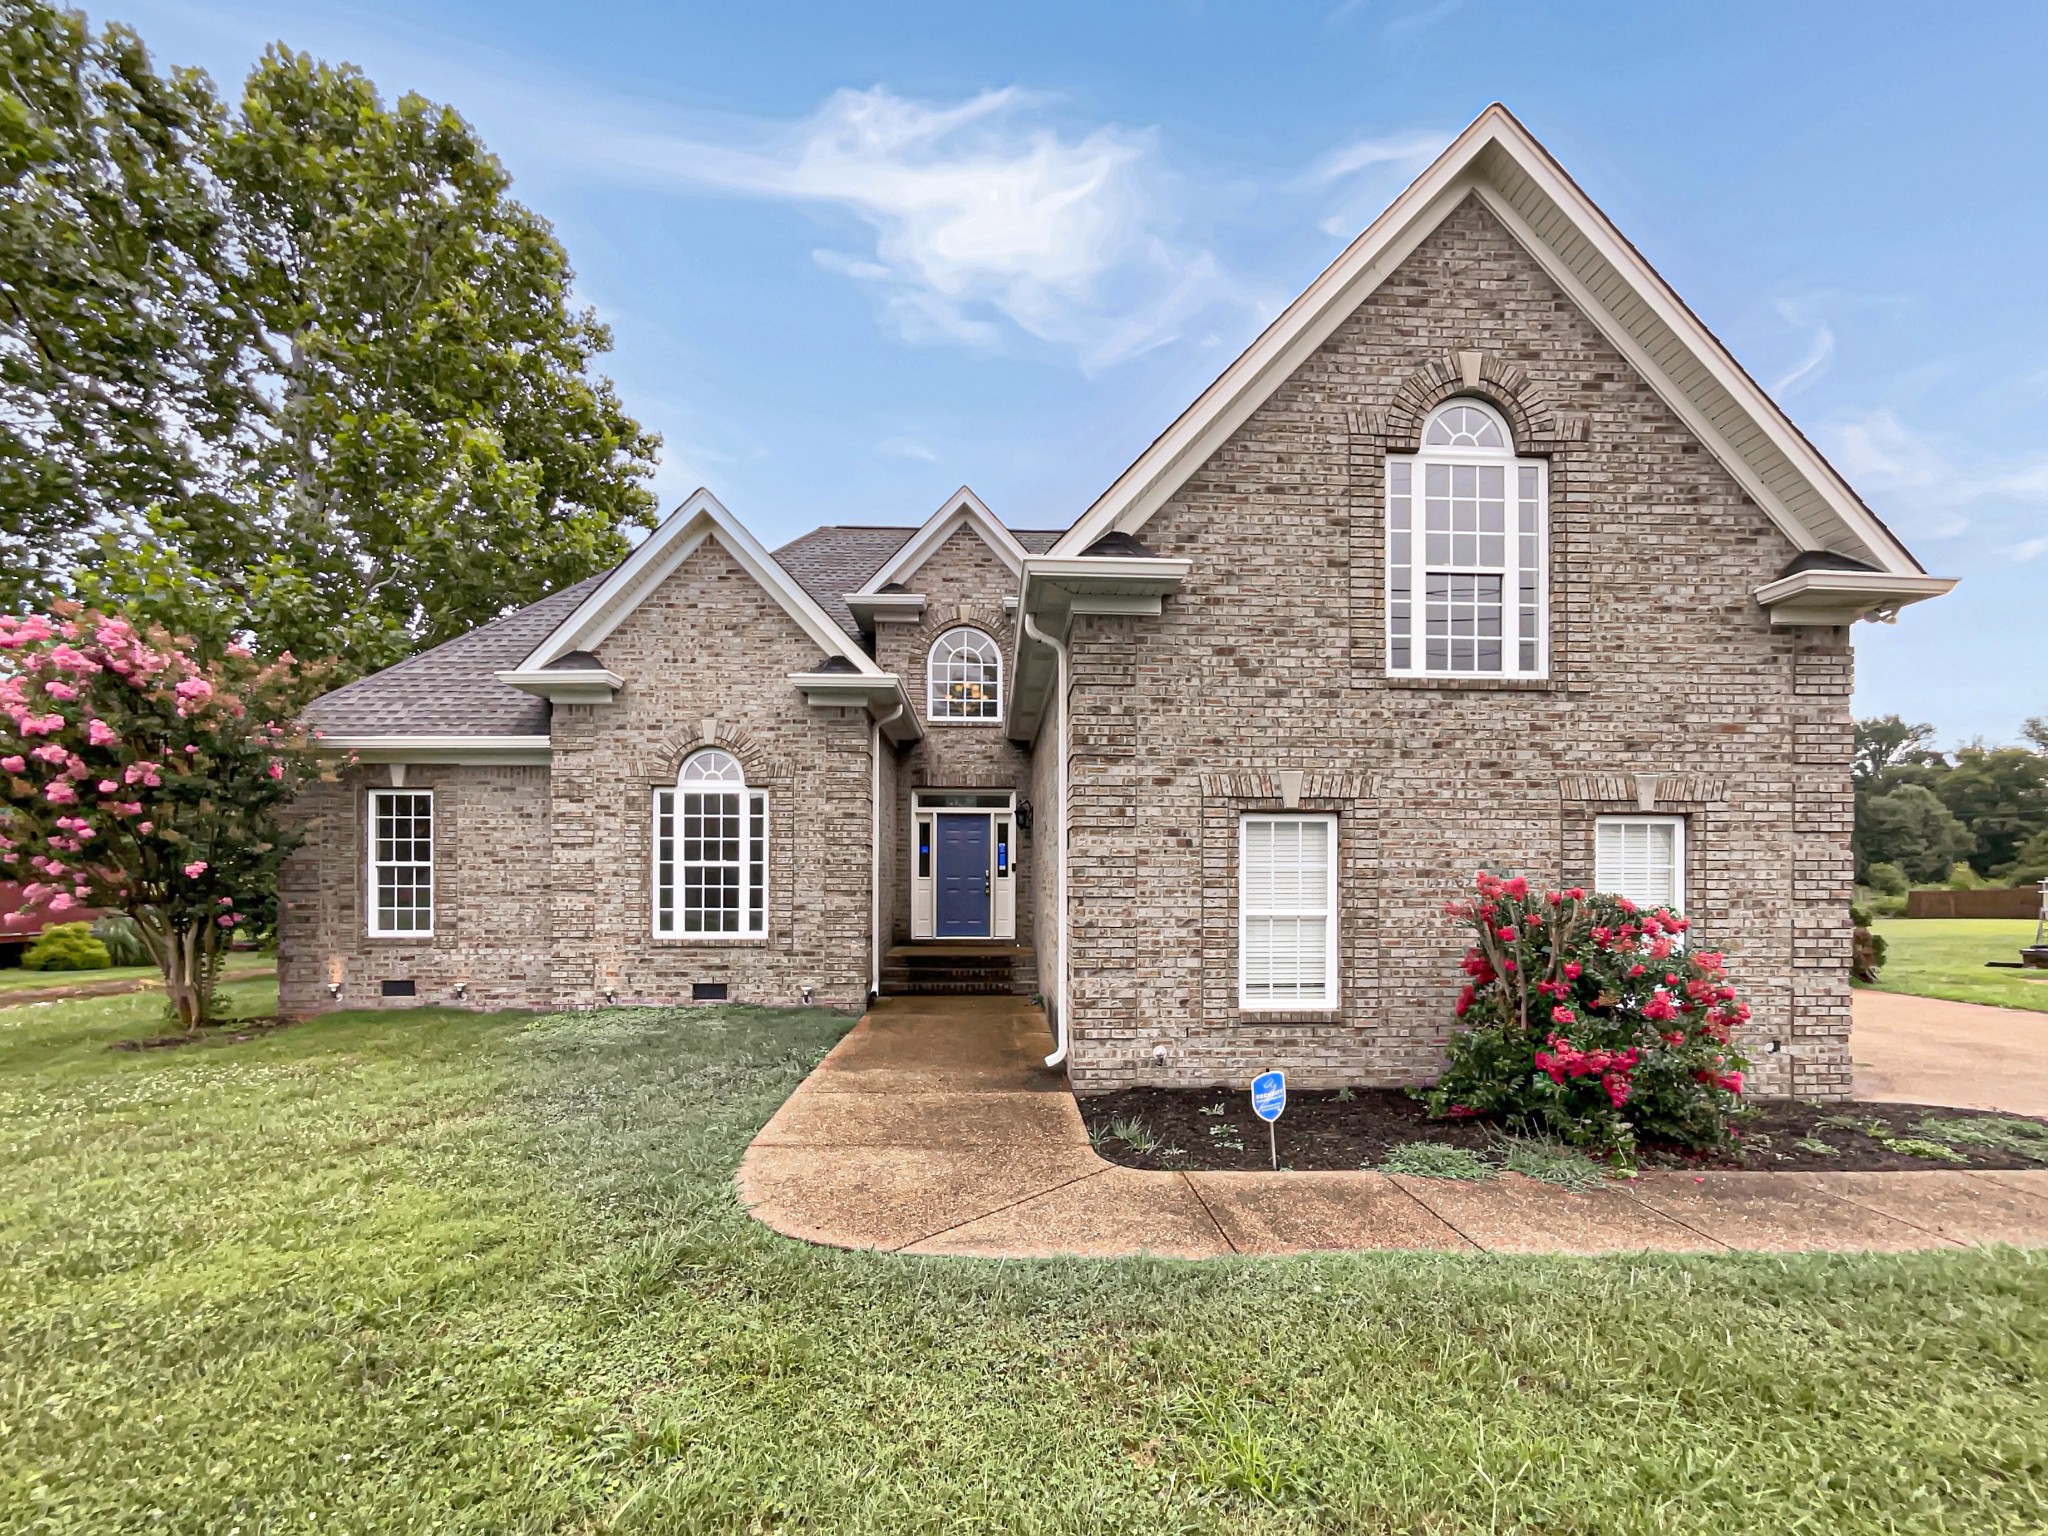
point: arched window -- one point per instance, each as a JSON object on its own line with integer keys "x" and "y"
{"x": 1467, "y": 551}
{"x": 964, "y": 677}
{"x": 710, "y": 850}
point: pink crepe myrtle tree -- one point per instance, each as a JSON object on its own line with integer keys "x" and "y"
{"x": 1588, "y": 1018}
{"x": 139, "y": 778}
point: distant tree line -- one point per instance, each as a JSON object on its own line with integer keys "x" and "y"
{"x": 1974, "y": 816}
{"x": 294, "y": 370}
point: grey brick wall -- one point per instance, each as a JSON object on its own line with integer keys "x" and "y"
{"x": 1661, "y": 664}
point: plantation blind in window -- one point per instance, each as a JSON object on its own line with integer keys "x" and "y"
{"x": 1642, "y": 858}
{"x": 1287, "y": 906}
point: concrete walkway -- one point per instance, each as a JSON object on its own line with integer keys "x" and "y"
{"x": 933, "y": 1129}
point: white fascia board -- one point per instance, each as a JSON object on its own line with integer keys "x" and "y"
{"x": 701, "y": 517}
{"x": 1842, "y": 597}
{"x": 1056, "y": 588}
{"x": 960, "y": 510}
{"x": 887, "y": 607}
{"x": 882, "y": 696}
{"x": 567, "y": 685}
{"x": 439, "y": 749}
{"x": 1306, "y": 323}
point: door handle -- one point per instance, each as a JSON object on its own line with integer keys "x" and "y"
{"x": 984, "y": 882}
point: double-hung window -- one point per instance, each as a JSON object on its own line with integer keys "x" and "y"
{"x": 1467, "y": 557}
{"x": 1642, "y": 858}
{"x": 710, "y": 851}
{"x": 1287, "y": 912}
{"x": 402, "y": 862}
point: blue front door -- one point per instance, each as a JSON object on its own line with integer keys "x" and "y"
{"x": 963, "y": 877}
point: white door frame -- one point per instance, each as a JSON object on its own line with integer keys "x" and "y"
{"x": 1000, "y": 806}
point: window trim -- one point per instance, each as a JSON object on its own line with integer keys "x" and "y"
{"x": 1646, "y": 819}
{"x": 754, "y": 883}
{"x": 1332, "y": 995}
{"x": 931, "y": 696}
{"x": 372, "y": 906}
{"x": 1418, "y": 563}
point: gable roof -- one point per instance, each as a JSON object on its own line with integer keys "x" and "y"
{"x": 1498, "y": 161}
{"x": 453, "y": 689}
{"x": 962, "y": 509}
{"x": 680, "y": 535}
{"x": 831, "y": 562}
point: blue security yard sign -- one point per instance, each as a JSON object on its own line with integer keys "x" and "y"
{"x": 1269, "y": 1097}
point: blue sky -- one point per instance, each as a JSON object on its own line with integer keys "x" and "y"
{"x": 857, "y": 255}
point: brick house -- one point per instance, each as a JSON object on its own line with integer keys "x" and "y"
{"x": 1485, "y": 554}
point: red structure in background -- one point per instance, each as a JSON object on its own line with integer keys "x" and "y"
{"x": 18, "y": 929}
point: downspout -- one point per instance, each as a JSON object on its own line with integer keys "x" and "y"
{"x": 1059, "y": 864}
{"x": 875, "y": 856}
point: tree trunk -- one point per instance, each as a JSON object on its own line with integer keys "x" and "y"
{"x": 189, "y": 957}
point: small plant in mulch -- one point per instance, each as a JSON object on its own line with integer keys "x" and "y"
{"x": 2026, "y": 1138}
{"x": 1435, "y": 1160}
{"x": 1587, "y": 1019}
{"x": 1134, "y": 1133}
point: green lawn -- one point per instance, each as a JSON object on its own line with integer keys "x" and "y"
{"x": 1944, "y": 957}
{"x": 436, "y": 1272}
{"x": 18, "y": 979}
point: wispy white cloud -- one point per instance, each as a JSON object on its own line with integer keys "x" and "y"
{"x": 1934, "y": 486}
{"x": 2027, "y": 549}
{"x": 905, "y": 448}
{"x": 1366, "y": 172}
{"x": 1819, "y": 353}
{"x": 983, "y": 214}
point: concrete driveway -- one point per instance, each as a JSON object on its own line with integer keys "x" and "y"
{"x": 1922, "y": 1050}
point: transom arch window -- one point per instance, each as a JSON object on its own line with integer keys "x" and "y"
{"x": 710, "y": 850}
{"x": 1467, "y": 551}
{"x": 964, "y": 676}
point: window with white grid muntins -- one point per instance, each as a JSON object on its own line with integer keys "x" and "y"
{"x": 402, "y": 861}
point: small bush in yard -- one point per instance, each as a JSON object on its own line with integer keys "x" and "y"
{"x": 66, "y": 947}
{"x": 1590, "y": 1020}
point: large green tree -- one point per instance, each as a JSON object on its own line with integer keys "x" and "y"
{"x": 126, "y": 357}
{"x": 355, "y": 404}
{"x": 2001, "y": 795}
{"x": 1907, "y": 825}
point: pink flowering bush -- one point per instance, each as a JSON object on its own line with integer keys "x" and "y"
{"x": 138, "y": 778}
{"x": 1586, "y": 1018}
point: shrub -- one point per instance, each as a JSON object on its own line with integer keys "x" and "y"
{"x": 1963, "y": 878}
{"x": 1590, "y": 1020}
{"x": 1886, "y": 879}
{"x": 1436, "y": 1160}
{"x": 123, "y": 939}
{"x": 66, "y": 947}
{"x": 1867, "y": 952}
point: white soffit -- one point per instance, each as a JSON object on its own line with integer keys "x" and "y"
{"x": 681, "y": 533}
{"x": 1498, "y": 160}
{"x": 962, "y": 509}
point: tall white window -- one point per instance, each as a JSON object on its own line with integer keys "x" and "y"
{"x": 711, "y": 850}
{"x": 1287, "y": 912}
{"x": 1642, "y": 858}
{"x": 964, "y": 677}
{"x": 1467, "y": 558}
{"x": 402, "y": 861}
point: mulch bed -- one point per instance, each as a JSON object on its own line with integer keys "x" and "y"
{"x": 1323, "y": 1130}
{"x": 233, "y": 1032}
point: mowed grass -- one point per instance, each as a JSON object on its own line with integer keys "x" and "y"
{"x": 427, "y": 1271}
{"x": 1944, "y": 957}
{"x": 17, "y": 978}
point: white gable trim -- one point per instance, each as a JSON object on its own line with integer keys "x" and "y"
{"x": 679, "y": 536}
{"x": 962, "y": 509}
{"x": 1683, "y": 361}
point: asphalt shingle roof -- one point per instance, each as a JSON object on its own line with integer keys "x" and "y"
{"x": 453, "y": 690}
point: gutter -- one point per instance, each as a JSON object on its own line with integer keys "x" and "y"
{"x": 1059, "y": 879}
